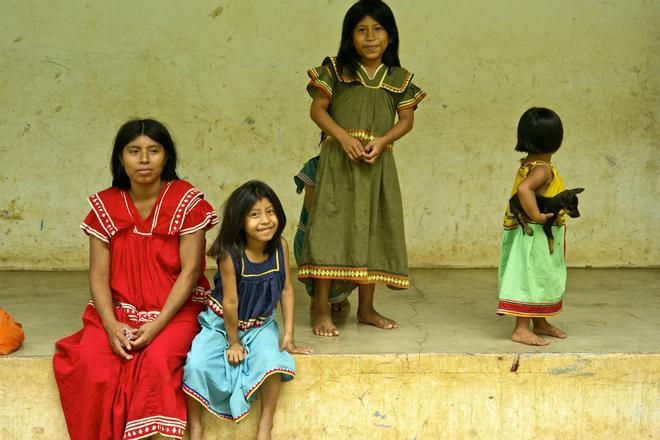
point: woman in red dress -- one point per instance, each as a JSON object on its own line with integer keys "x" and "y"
{"x": 120, "y": 376}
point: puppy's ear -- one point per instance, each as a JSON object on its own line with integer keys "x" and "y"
{"x": 577, "y": 190}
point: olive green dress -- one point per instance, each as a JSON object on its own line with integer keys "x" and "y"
{"x": 355, "y": 230}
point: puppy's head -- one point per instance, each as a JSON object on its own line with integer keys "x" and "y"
{"x": 569, "y": 201}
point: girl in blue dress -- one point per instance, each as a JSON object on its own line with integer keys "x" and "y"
{"x": 238, "y": 352}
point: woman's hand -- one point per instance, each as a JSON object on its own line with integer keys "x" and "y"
{"x": 352, "y": 147}
{"x": 145, "y": 334}
{"x": 373, "y": 150}
{"x": 119, "y": 337}
{"x": 290, "y": 346}
{"x": 235, "y": 354}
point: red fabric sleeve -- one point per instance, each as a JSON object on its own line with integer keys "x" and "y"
{"x": 92, "y": 226}
{"x": 201, "y": 215}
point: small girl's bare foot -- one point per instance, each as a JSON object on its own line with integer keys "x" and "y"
{"x": 374, "y": 318}
{"x": 524, "y": 336}
{"x": 545, "y": 328}
{"x": 263, "y": 431}
{"x": 340, "y": 306}
{"x": 323, "y": 326}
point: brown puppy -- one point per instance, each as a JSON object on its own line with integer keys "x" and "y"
{"x": 565, "y": 200}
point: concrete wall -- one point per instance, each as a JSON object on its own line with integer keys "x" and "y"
{"x": 228, "y": 78}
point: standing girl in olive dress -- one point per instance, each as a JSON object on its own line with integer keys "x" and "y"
{"x": 355, "y": 232}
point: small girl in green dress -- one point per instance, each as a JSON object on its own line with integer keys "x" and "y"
{"x": 531, "y": 279}
{"x": 355, "y": 228}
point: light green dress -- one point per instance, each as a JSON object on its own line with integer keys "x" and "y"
{"x": 531, "y": 279}
{"x": 355, "y": 229}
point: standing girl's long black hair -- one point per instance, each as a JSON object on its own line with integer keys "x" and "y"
{"x": 231, "y": 239}
{"x": 347, "y": 56}
{"x": 129, "y": 132}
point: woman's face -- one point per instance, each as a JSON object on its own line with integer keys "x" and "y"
{"x": 143, "y": 160}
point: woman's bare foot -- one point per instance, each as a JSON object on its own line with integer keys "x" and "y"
{"x": 543, "y": 327}
{"x": 525, "y": 336}
{"x": 340, "y": 306}
{"x": 372, "y": 317}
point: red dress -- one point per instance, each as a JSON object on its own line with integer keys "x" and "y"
{"x": 103, "y": 395}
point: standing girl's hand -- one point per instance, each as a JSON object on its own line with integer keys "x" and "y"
{"x": 118, "y": 337}
{"x": 145, "y": 334}
{"x": 290, "y": 346}
{"x": 373, "y": 150}
{"x": 235, "y": 353}
{"x": 352, "y": 147}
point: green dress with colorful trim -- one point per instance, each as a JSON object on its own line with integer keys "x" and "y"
{"x": 531, "y": 279}
{"x": 355, "y": 230}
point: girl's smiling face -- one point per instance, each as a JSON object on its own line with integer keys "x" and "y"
{"x": 370, "y": 40}
{"x": 143, "y": 160}
{"x": 261, "y": 222}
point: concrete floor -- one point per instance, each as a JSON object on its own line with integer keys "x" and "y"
{"x": 445, "y": 311}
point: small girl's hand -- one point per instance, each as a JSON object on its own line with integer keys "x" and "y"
{"x": 290, "y": 346}
{"x": 373, "y": 150}
{"x": 352, "y": 147}
{"x": 235, "y": 354}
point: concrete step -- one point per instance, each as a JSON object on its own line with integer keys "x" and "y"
{"x": 408, "y": 396}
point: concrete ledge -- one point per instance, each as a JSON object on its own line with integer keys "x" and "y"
{"x": 409, "y": 396}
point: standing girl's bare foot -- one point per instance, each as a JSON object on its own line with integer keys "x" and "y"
{"x": 525, "y": 336}
{"x": 366, "y": 312}
{"x": 543, "y": 327}
{"x": 372, "y": 317}
{"x": 323, "y": 325}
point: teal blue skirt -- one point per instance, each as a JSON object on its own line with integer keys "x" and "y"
{"x": 227, "y": 390}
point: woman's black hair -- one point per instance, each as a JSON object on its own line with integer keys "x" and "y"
{"x": 347, "y": 56}
{"x": 539, "y": 131}
{"x": 129, "y": 132}
{"x": 231, "y": 239}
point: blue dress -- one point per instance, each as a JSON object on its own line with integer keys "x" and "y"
{"x": 224, "y": 389}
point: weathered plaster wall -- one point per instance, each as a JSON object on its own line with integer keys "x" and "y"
{"x": 408, "y": 396}
{"x": 228, "y": 78}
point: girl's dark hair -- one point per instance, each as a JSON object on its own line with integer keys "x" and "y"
{"x": 347, "y": 56}
{"x": 231, "y": 239}
{"x": 129, "y": 132}
{"x": 539, "y": 131}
